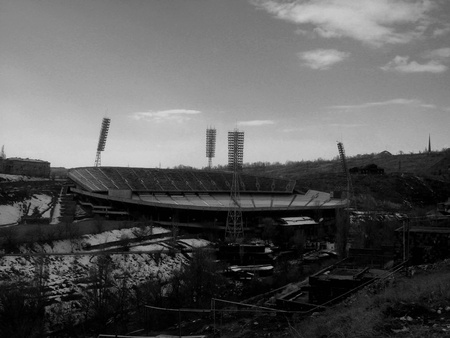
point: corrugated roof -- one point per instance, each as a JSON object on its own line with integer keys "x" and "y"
{"x": 102, "y": 179}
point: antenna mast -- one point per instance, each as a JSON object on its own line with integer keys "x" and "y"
{"x": 234, "y": 230}
{"x": 210, "y": 145}
{"x": 102, "y": 140}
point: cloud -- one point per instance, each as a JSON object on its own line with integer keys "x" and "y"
{"x": 402, "y": 64}
{"x": 440, "y": 31}
{"x": 373, "y": 22}
{"x": 256, "y": 123}
{"x": 323, "y": 125}
{"x": 322, "y": 58}
{"x": 400, "y": 101}
{"x": 294, "y": 130}
{"x": 173, "y": 115}
{"x": 437, "y": 54}
{"x": 348, "y": 125}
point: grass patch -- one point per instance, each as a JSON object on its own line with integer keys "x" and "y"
{"x": 403, "y": 307}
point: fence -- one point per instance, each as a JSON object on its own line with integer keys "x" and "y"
{"x": 186, "y": 321}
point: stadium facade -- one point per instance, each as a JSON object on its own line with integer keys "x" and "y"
{"x": 197, "y": 198}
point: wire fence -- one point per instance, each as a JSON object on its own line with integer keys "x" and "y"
{"x": 213, "y": 320}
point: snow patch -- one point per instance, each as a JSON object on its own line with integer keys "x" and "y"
{"x": 42, "y": 203}
{"x": 11, "y": 214}
{"x": 195, "y": 242}
{"x": 117, "y": 235}
{"x": 69, "y": 276}
{"x": 18, "y": 178}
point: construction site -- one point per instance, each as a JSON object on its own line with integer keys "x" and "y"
{"x": 281, "y": 250}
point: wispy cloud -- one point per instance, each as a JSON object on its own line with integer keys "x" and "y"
{"x": 437, "y": 54}
{"x": 443, "y": 30}
{"x": 348, "y": 125}
{"x": 173, "y": 115}
{"x": 294, "y": 129}
{"x": 322, "y": 58}
{"x": 400, "y": 101}
{"x": 373, "y": 22}
{"x": 402, "y": 64}
{"x": 256, "y": 123}
{"x": 321, "y": 126}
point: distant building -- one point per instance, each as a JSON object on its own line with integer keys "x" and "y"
{"x": 370, "y": 169}
{"x": 58, "y": 172}
{"x": 306, "y": 227}
{"x": 384, "y": 153}
{"x": 24, "y": 166}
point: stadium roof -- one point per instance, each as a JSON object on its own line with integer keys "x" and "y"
{"x": 103, "y": 179}
{"x": 194, "y": 189}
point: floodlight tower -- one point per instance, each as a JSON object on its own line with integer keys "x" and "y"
{"x": 234, "y": 230}
{"x": 102, "y": 139}
{"x": 210, "y": 145}
{"x": 235, "y": 150}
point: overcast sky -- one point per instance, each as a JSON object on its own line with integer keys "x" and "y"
{"x": 295, "y": 76}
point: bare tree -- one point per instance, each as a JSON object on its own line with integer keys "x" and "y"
{"x": 72, "y": 233}
{"x": 21, "y": 313}
{"x": 22, "y": 304}
{"x": 10, "y": 240}
{"x": 199, "y": 281}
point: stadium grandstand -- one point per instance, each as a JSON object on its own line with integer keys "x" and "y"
{"x": 196, "y": 198}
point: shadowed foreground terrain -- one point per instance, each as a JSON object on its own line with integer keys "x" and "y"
{"x": 413, "y": 307}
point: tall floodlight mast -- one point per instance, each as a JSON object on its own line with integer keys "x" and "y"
{"x": 234, "y": 230}
{"x": 346, "y": 172}
{"x": 102, "y": 140}
{"x": 210, "y": 145}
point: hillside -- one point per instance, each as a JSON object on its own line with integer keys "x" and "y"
{"x": 398, "y": 191}
{"x": 410, "y": 180}
{"x": 408, "y": 307}
{"x": 434, "y": 163}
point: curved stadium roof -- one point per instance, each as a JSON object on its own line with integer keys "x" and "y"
{"x": 103, "y": 179}
{"x": 194, "y": 189}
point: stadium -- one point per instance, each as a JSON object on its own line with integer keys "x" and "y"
{"x": 194, "y": 198}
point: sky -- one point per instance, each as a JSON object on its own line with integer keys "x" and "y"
{"x": 295, "y": 76}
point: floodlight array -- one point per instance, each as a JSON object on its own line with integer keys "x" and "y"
{"x": 342, "y": 157}
{"x": 103, "y": 134}
{"x": 235, "y": 149}
{"x": 210, "y": 143}
{"x": 102, "y": 140}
